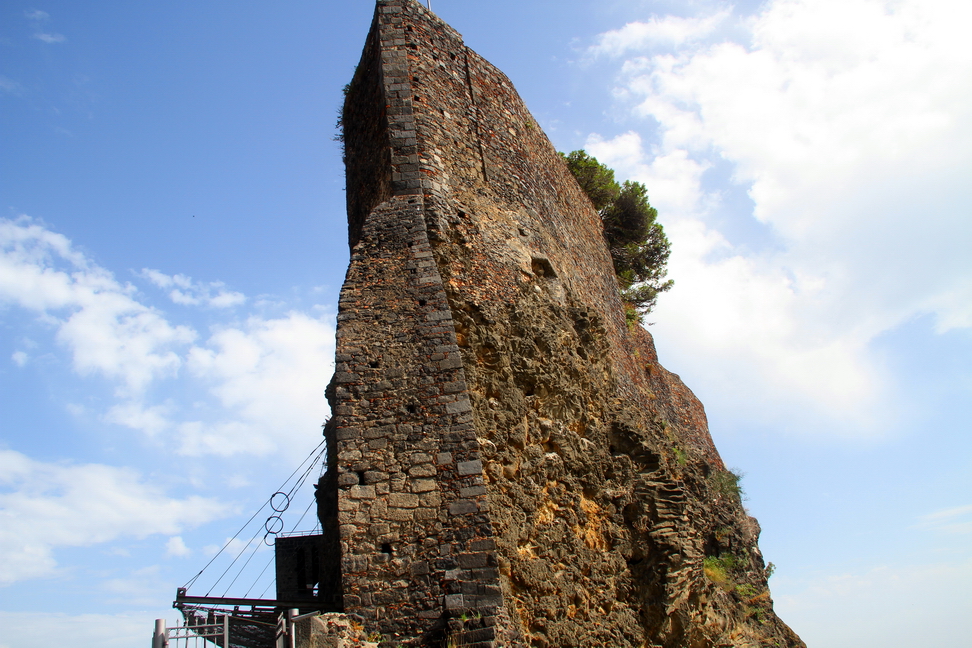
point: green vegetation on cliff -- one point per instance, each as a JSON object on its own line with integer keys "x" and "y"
{"x": 639, "y": 247}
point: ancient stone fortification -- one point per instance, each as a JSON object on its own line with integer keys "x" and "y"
{"x": 509, "y": 464}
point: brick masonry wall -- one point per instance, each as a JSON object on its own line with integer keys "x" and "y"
{"x": 509, "y": 464}
{"x": 415, "y": 537}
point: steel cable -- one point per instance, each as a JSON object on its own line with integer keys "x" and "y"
{"x": 253, "y": 517}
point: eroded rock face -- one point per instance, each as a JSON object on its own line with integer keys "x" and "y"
{"x": 509, "y": 465}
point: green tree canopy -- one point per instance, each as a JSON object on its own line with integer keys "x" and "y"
{"x": 638, "y": 245}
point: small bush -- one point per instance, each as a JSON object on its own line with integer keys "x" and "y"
{"x": 726, "y": 485}
{"x": 680, "y": 457}
{"x": 715, "y": 570}
{"x": 722, "y": 569}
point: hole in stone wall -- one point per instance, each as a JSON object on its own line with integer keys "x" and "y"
{"x": 417, "y": 98}
{"x": 374, "y": 364}
{"x": 421, "y": 302}
{"x": 542, "y": 268}
{"x": 360, "y": 474}
{"x": 386, "y": 548}
{"x": 623, "y": 441}
{"x": 412, "y": 409}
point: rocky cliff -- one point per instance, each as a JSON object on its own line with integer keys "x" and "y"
{"x": 509, "y": 464}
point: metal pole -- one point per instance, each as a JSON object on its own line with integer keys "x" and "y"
{"x": 429, "y": 2}
{"x": 158, "y": 637}
{"x": 226, "y": 631}
{"x": 292, "y": 627}
{"x": 281, "y": 631}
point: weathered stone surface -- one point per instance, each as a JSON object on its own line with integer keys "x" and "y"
{"x": 509, "y": 465}
{"x": 331, "y": 631}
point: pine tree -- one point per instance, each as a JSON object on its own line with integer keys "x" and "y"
{"x": 638, "y": 245}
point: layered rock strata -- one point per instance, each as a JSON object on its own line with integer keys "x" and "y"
{"x": 509, "y": 465}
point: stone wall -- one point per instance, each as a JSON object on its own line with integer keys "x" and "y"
{"x": 510, "y": 464}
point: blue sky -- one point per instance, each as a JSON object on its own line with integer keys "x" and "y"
{"x": 173, "y": 241}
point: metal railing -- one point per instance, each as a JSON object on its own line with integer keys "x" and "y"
{"x": 181, "y": 636}
{"x": 192, "y": 635}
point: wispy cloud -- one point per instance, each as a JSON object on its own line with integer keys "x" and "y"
{"x": 36, "y": 14}
{"x": 143, "y": 588}
{"x": 46, "y": 506}
{"x": 97, "y": 318}
{"x": 150, "y": 419}
{"x": 957, "y": 519}
{"x": 50, "y": 38}
{"x": 666, "y": 31}
{"x": 10, "y": 86}
{"x": 183, "y": 290}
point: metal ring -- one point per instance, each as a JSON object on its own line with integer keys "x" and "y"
{"x": 267, "y": 535}
{"x": 269, "y": 522}
{"x": 284, "y": 506}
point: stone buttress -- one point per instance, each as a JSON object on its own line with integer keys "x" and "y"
{"x": 416, "y": 545}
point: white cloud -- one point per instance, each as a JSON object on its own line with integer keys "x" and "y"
{"x": 673, "y": 178}
{"x": 272, "y": 374}
{"x": 176, "y": 546}
{"x": 848, "y": 122}
{"x": 36, "y": 14}
{"x": 97, "y": 318}
{"x": 186, "y": 292}
{"x": 665, "y": 31}
{"x": 150, "y": 419}
{"x": 49, "y": 505}
{"x": 19, "y": 358}
{"x": 261, "y": 389}
{"x": 50, "y": 38}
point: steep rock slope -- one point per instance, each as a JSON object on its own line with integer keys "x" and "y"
{"x": 510, "y": 464}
